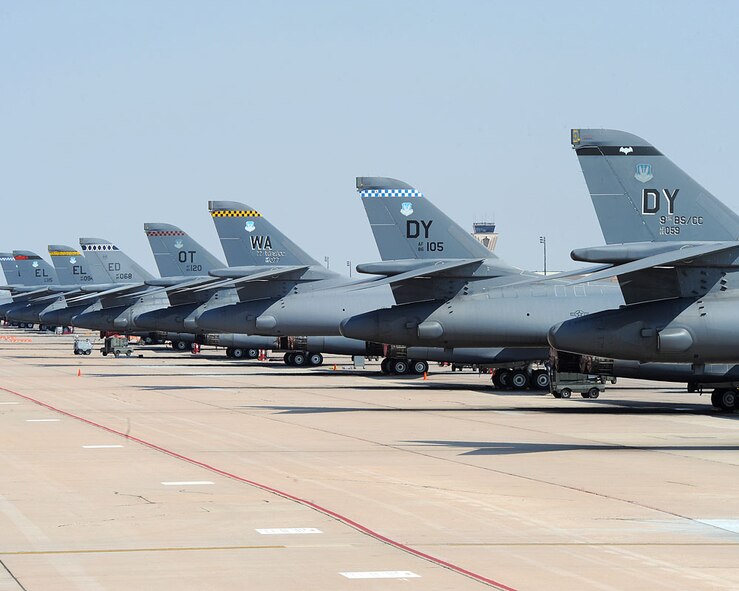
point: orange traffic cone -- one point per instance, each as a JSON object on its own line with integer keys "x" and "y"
{"x": 425, "y": 376}
{"x": 334, "y": 367}
{"x": 79, "y": 372}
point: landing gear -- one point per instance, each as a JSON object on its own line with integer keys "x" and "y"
{"x": 385, "y": 366}
{"x": 315, "y": 359}
{"x": 725, "y": 399}
{"x": 540, "y": 379}
{"x": 400, "y": 366}
{"x": 299, "y": 359}
{"x": 519, "y": 379}
{"x": 419, "y": 367}
{"x": 179, "y": 345}
{"x": 238, "y": 353}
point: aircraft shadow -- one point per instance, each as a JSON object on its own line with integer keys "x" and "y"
{"x": 503, "y": 448}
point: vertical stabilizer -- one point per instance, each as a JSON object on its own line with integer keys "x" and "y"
{"x": 177, "y": 254}
{"x": 640, "y": 195}
{"x": 119, "y": 267}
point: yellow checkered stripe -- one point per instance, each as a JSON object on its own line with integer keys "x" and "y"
{"x": 64, "y": 253}
{"x": 236, "y": 213}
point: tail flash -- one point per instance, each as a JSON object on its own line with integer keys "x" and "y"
{"x": 177, "y": 254}
{"x": 249, "y": 239}
{"x": 119, "y": 266}
{"x": 406, "y": 225}
{"x": 640, "y": 195}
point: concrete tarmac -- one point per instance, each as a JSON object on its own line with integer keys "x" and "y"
{"x": 176, "y": 471}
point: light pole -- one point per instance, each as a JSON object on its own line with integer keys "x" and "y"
{"x": 349, "y": 264}
{"x": 326, "y": 260}
{"x": 543, "y": 240}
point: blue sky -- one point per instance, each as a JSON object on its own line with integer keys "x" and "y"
{"x": 120, "y": 113}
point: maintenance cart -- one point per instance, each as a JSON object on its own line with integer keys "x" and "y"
{"x": 117, "y": 346}
{"x": 82, "y": 346}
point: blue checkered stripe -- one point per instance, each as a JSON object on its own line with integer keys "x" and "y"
{"x": 390, "y": 193}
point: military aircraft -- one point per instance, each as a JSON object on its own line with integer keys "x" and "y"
{"x": 674, "y": 249}
{"x": 298, "y": 296}
{"x": 457, "y": 295}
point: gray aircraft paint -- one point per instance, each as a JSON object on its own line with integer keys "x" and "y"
{"x": 177, "y": 254}
{"x": 73, "y": 268}
{"x": 33, "y": 270}
{"x": 683, "y": 312}
{"x": 640, "y": 195}
{"x": 119, "y": 266}
{"x": 248, "y": 238}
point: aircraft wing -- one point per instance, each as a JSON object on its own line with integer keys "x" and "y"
{"x": 660, "y": 260}
{"x": 431, "y": 270}
{"x": 128, "y": 289}
{"x": 266, "y": 275}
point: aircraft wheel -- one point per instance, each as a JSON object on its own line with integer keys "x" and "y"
{"x": 400, "y": 366}
{"x": 299, "y": 359}
{"x": 238, "y": 353}
{"x": 288, "y": 358}
{"x": 179, "y": 346}
{"x": 496, "y": 380}
{"x": 315, "y": 359}
{"x": 725, "y": 399}
{"x": 385, "y": 366}
{"x": 229, "y": 352}
{"x": 148, "y": 340}
{"x": 565, "y": 393}
{"x": 519, "y": 380}
{"x": 540, "y": 379}
{"x": 504, "y": 376}
{"x": 252, "y": 353}
{"x": 419, "y": 367}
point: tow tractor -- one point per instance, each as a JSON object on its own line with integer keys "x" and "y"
{"x": 117, "y": 346}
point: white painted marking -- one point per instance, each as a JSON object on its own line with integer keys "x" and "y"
{"x": 42, "y": 420}
{"x": 100, "y": 446}
{"x": 381, "y": 574}
{"x": 731, "y": 525}
{"x": 9, "y": 402}
{"x": 288, "y": 530}
{"x": 187, "y": 483}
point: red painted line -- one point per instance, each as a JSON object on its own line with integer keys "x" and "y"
{"x": 285, "y": 495}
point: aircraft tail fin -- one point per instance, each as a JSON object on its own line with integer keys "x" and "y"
{"x": 248, "y": 238}
{"x": 33, "y": 270}
{"x": 10, "y": 269}
{"x": 177, "y": 254}
{"x": 118, "y": 265}
{"x": 406, "y": 225}
{"x": 640, "y": 195}
{"x": 72, "y": 268}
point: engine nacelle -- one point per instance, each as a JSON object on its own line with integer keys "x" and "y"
{"x": 678, "y": 331}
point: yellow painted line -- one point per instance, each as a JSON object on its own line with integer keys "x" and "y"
{"x": 64, "y": 253}
{"x": 128, "y": 550}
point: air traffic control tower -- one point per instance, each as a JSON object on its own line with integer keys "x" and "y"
{"x": 486, "y": 234}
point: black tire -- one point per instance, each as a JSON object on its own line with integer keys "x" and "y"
{"x": 419, "y": 367}
{"x": 385, "y": 366}
{"x": 496, "y": 380}
{"x": 299, "y": 359}
{"x": 505, "y": 378}
{"x": 557, "y": 394}
{"x": 128, "y": 353}
{"x": 565, "y": 392}
{"x": 148, "y": 340}
{"x": 252, "y": 353}
{"x": 593, "y": 393}
{"x": 180, "y": 346}
{"x": 725, "y": 399}
{"x": 288, "y": 358}
{"x": 229, "y": 352}
{"x": 238, "y": 353}
{"x": 117, "y": 354}
{"x": 400, "y": 366}
{"x": 105, "y": 353}
{"x": 76, "y": 352}
{"x": 540, "y": 380}
{"x": 88, "y": 352}
{"x": 315, "y": 359}
{"x": 519, "y": 380}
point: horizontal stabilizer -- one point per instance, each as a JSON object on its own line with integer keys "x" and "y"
{"x": 432, "y": 270}
{"x": 660, "y": 260}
